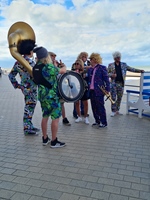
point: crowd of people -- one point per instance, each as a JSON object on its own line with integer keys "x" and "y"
{"x": 94, "y": 74}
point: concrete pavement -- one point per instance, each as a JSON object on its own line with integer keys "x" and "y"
{"x": 97, "y": 164}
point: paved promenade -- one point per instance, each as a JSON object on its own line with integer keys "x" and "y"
{"x": 97, "y": 164}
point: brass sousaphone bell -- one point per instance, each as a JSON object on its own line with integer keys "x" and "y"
{"x": 20, "y": 31}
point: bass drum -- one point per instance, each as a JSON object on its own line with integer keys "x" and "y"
{"x": 71, "y": 86}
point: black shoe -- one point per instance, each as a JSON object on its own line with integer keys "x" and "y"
{"x": 102, "y": 125}
{"x": 66, "y": 122}
{"x": 30, "y": 132}
{"x": 45, "y": 141}
{"x": 36, "y": 129}
{"x": 57, "y": 144}
{"x": 95, "y": 124}
{"x": 75, "y": 116}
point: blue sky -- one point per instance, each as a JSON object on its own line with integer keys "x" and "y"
{"x": 69, "y": 27}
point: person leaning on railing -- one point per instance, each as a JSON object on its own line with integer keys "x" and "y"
{"x": 117, "y": 73}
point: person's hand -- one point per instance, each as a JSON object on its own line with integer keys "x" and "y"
{"x": 62, "y": 64}
{"x": 142, "y": 71}
{"x": 56, "y": 63}
{"x": 113, "y": 76}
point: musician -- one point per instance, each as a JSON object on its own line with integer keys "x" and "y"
{"x": 98, "y": 76}
{"x": 65, "y": 121}
{"x": 49, "y": 98}
{"x": 79, "y": 68}
{"x": 27, "y": 86}
{"x": 84, "y": 57}
{"x": 117, "y": 73}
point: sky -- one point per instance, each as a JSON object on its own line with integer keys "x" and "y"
{"x": 69, "y": 27}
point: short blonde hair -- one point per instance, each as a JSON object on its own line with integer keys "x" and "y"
{"x": 46, "y": 60}
{"x": 97, "y": 58}
{"x": 81, "y": 64}
{"x": 82, "y": 54}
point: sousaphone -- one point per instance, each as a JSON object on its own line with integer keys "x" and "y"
{"x": 18, "y": 32}
{"x": 71, "y": 85}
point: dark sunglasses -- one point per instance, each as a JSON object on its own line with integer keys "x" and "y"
{"x": 77, "y": 64}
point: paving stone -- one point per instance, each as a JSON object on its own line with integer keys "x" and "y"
{"x": 66, "y": 188}
{"x": 130, "y": 192}
{"x": 52, "y": 194}
{"x": 145, "y": 195}
{"x": 38, "y": 198}
{"x": 7, "y": 177}
{"x": 82, "y": 192}
{"x": 6, "y": 194}
{"x": 7, "y": 185}
{"x": 20, "y": 196}
{"x": 36, "y": 191}
{"x": 111, "y": 189}
{"x": 117, "y": 197}
{"x": 100, "y": 195}
{"x": 140, "y": 187}
{"x": 66, "y": 196}
{"x": 21, "y": 188}
{"x": 122, "y": 184}
{"x": 132, "y": 179}
{"x": 106, "y": 181}
{"x": 50, "y": 185}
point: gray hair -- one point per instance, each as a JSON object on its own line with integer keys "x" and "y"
{"x": 116, "y": 54}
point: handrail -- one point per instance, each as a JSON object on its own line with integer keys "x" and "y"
{"x": 133, "y": 76}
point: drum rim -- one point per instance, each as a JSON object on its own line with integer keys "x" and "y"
{"x": 82, "y": 88}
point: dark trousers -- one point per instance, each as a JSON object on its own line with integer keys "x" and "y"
{"x": 98, "y": 108}
{"x": 81, "y": 108}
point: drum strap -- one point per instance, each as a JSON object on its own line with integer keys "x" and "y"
{"x": 38, "y": 76}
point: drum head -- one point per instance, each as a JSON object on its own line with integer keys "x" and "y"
{"x": 71, "y": 86}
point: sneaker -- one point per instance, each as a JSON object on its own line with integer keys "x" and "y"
{"x": 113, "y": 114}
{"x": 57, "y": 144}
{"x": 86, "y": 120}
{"x": 118, "y": 113}
{"x": 95, "y": 125}
{"x": 36, "y": 129}
{"x": 79, "y": 119}
{"x": 30, "y": 132}
{"x": 102, "y": 125}
{"x": 45, "y": 141}
{"x": 66, "y": 122}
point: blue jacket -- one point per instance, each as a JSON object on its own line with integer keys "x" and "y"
{"x": 100, "y": 79}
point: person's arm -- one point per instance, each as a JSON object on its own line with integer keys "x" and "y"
{"x": 111, "y": 73}
{"x": 131, "y": 69}
{"x": 12, "y": 76}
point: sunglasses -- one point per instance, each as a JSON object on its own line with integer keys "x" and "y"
{"x": 77, "y": 64}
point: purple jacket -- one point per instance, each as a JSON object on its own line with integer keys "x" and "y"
{"x": 100, "y": 79}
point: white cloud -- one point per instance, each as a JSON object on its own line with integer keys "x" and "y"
{"x": 101, "y": 26}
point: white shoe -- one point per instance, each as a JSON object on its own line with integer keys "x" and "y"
{"x": 118, "y": 113}
{"x": 79, "y": 119}
{"x": 113, "y": 114}
{"x": 86, "y": 121}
